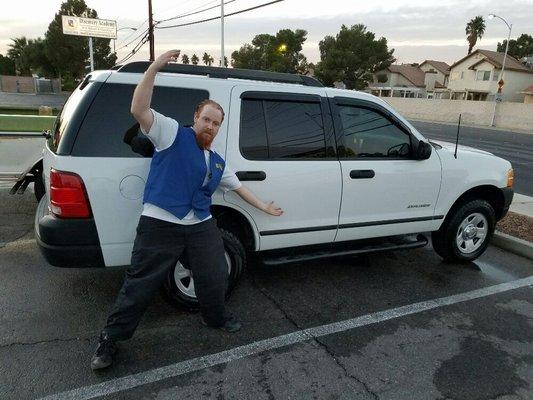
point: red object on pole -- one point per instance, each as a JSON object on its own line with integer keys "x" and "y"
{"x": 151, "y": 30}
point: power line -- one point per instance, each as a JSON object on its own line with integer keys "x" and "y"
{"x": 133, "y": 32}
{"x": 136, "y": 48}
{"x": 137, "y": 37}
{"x": 133, "y": 52}
{"x": 195, "y": 12}
{"x": 172, "y": 8}
{"x": 214, "y": 18}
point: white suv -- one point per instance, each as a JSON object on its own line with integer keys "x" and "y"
{"x": 350, "y": 173}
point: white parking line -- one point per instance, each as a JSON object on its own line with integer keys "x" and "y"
{"x": 237, "y": 353}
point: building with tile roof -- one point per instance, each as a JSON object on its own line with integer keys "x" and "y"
{"x": 477, "y": 76}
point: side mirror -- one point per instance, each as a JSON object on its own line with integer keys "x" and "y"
{"x": 423, "y": 151}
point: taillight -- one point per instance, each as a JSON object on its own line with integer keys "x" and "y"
{"x": 68, "y": 197}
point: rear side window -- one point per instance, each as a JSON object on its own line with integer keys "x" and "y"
{"x": 281, "y": 130}
{"x": 109, "y": 117}
{"x": 68, "y": 121}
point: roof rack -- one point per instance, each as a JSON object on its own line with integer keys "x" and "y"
{"x": 224, "y": 73}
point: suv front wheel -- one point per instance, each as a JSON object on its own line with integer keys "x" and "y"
{"x": 466, "y": 232}
{"x": 178, "y": 289}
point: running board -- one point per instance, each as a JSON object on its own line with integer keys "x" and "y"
{"x": 348, "y": 249}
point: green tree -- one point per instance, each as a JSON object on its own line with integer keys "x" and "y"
{"x": 207, "y": 59}
{"x": 29, "y": 56}
{"x": 7, "y": 66}
{"x": 70, "y": 54}
{"x": 475, "y": 29}
{"x": 280, "y": 53}
{"x": 17, "y": 53}
{"x": 37, "y": 57}
{"x": 185, "y": 59}
{"x": 521, "y": 47}
{"x": 194, "y": 59}
{"x": 352, "y": 56}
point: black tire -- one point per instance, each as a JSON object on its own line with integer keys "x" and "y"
{"x": 176, "y": 297}
{"x": 38, "y": 187}
{"x": 445, "y": 239}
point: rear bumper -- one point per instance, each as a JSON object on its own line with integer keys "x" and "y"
{"x": 508, "y": 194}
{"x": 70, "y": 243}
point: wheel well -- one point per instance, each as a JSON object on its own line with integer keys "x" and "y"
{"x": 486, "y": 192}
{"x": 37, "y": 167}
{"x": 235, "y": 222}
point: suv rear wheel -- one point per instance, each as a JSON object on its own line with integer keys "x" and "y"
{"x": 466, "y": 232}
{"x": 178, "y": 289}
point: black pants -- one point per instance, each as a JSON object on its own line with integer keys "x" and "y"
{"x": 158, "y": 246}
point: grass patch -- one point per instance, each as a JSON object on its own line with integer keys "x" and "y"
{"x": 23, "y": 111}
{"x": 25, "y": 123}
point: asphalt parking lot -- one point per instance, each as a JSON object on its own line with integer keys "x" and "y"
{"x": 405, "y": 326}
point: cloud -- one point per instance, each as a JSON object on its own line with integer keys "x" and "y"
{"x": 417, "y": 29}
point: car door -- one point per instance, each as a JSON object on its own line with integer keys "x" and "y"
{"x": 386, "y": 190}
{"x": 281, "y": 145}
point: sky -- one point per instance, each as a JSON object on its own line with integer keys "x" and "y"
{"x": 416, "y": 29}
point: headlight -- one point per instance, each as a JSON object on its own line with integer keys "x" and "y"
{"x": 510, "y": 178}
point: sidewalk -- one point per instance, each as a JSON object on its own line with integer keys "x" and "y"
{"x": 514, "y": 232}
{"x": 463, "y": 125}
{"x": 522, "y": 205}
{"x": 32, "y": 100}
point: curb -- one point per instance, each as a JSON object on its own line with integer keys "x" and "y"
{"x": 513, "y": 244}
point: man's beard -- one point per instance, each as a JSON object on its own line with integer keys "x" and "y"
{"x": 204, "y": 140}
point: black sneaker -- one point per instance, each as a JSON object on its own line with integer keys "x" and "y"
{"x": 231, "y": 325}
{"x": 103, "y": 357}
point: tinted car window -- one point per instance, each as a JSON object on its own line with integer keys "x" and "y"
{"x": 67, "y": 122}
{"x": 253, "y": 137}
{"x": 367, "y": 133}
{"x": 109, "y": 117}
{"x": 281, "y": 130}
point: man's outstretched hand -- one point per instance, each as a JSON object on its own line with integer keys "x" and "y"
{"x": 165, "y": 58}
{"x": 273, "y": 210}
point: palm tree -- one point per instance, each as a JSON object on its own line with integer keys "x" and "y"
{"x": 194, "y": 59}
{"x": 17, "y": 53}
{"x": 474, "y": 30}
{"x": 207, "y": 59}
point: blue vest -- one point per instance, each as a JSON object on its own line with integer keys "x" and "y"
{"x": 176, "y": 177}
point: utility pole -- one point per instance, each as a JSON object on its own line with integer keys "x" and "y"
{"x": 91, "y": 57}
{"x": 151, "y": 30}
{"x": 222, "y": 33}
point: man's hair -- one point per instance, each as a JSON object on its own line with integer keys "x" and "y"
{"x": 200, "y": 106}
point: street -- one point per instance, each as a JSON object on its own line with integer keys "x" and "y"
{"x": 463, "y": 345}
{"x": 512, "y": 146}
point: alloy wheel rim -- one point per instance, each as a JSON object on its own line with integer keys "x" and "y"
{"x": 472, "y": 233}
{"x": 184, "y": 280}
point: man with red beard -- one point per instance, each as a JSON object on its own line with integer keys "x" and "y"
{"x": 183, "y": 176}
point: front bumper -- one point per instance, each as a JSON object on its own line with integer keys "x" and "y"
{"x": 508, "y": 194}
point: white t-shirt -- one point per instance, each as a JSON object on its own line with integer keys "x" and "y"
{"x": 162, "y": 134}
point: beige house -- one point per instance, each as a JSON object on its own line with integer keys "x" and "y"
{"x": 476, "y": 76}
{"x": 528, "y": 94}
{"x": 403, "y": 80}
{"x": 436, "y": 78}
{"x": 426, "y": 80}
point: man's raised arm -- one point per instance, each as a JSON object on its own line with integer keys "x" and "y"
{"x": 142, "y": 97}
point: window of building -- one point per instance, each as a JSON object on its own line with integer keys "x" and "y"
{"x": 482, "y": 75}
